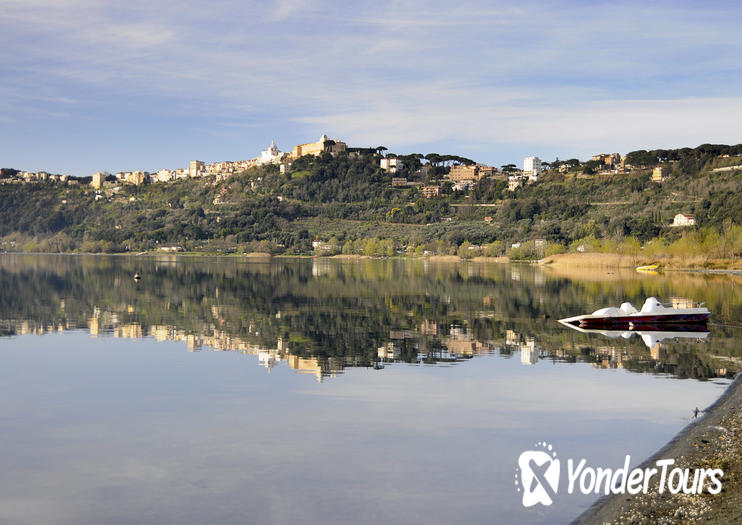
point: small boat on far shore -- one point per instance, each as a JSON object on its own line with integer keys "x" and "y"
{"x": 648, "y": 268}
{"x": 652, "y": 313}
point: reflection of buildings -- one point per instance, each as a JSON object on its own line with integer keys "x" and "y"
{"x": 268, "y": 359}
{"x": 452, "y": 337}
{"x": 129, "y": 331}
{"x": 658, "y": 352}
{"x": 609, "y": 357}
{"x": 312, "y": 366}
{"x": 107, "y": 323}
{"x": 321, "y": 267}
{"x": 389, "y": 352}
{"x": 425, "y": 345}
{"x": 464, "y": 345}
{"x": 528, "y": 352}
{"x": 429, "y": 328}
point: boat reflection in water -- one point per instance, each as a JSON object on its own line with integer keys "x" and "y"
{"x": 651, "y": 334}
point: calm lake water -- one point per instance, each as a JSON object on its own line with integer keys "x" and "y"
{"x": 320, "y": 391}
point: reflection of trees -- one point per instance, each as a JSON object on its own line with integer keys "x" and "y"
{"x": 328, "y": 309}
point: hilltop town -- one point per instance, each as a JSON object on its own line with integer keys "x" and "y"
{"x": 464, "y": 173}
{"x": 328, "y": 198}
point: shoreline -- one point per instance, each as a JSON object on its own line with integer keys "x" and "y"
{"x": 714, "y": 440}
{"x": 612, "y": 261}
{"x": 564, "y": 262}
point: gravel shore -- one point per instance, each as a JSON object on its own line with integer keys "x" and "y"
{"x": 714, "y": 440}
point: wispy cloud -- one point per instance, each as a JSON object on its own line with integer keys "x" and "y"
{"x": 578, "y": 128}
{"x": 390, "y": 72}
{"x": 285, "y": 9}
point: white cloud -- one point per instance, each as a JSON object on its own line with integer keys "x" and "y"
{"x": 287, "y": 8}
{"x": 581, "y": 127}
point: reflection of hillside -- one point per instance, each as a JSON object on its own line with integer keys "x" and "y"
{"x": 420, "y": 346}
{"x": 329, "y": 315}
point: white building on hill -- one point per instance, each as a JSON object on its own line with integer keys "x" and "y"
{"x": 532, "y": 167}
{"x": 271, "y": 154}
{"x": 683, "y": 219}
{"x": 390, "y": 164}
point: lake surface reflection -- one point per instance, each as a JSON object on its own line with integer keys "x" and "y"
{"x": 322, "y": 391}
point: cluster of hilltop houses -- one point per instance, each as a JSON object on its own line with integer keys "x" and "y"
{"x": 464, "y": 176}
{"x": 197, "y": 168}
{"x": 461, "y": 176}
{"x": 225, "y": 169}
{"x": 43, "y": 176}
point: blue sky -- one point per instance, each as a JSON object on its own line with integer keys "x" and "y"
{"x": 100, "y": 85}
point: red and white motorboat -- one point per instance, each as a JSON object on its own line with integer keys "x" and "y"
{"x": 652, "y": 313}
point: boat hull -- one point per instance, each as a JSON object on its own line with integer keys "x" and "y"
{"x": 643, "y": 319}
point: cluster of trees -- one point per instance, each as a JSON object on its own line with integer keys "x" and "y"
{"x": 693, "y": 157}
{"x": 389, "y": 247}
{"x": 530, "y": 250}
{"x": 706, "y": 243}
{"x": 373, "y": 247}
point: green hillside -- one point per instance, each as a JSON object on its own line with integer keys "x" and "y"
{"x": 344, "y": 198}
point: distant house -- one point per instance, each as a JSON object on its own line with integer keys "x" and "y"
{"x": 470, "y": 173}
{"x": 608, "y": 159}
{"x": 390, "y": 164}
{"x": 137, "y": 177}
{"x": 659, "y": 174}
{"x": 399, "y": 181}
{"x": 164, "y": 175}
{"x": 431, "y": 191}
{"x": 462, "y": 186}
{"x": 98, "y": 179}
{"x": 486, "y": 171}
{"x": 683, "y": 219}
{"x": 532, "y": 167}
{"x": 515, "y": 181}
{"x": 196, "y": 168}
{"x": 464, "y": 173}
{"x": 323, "y": 145}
